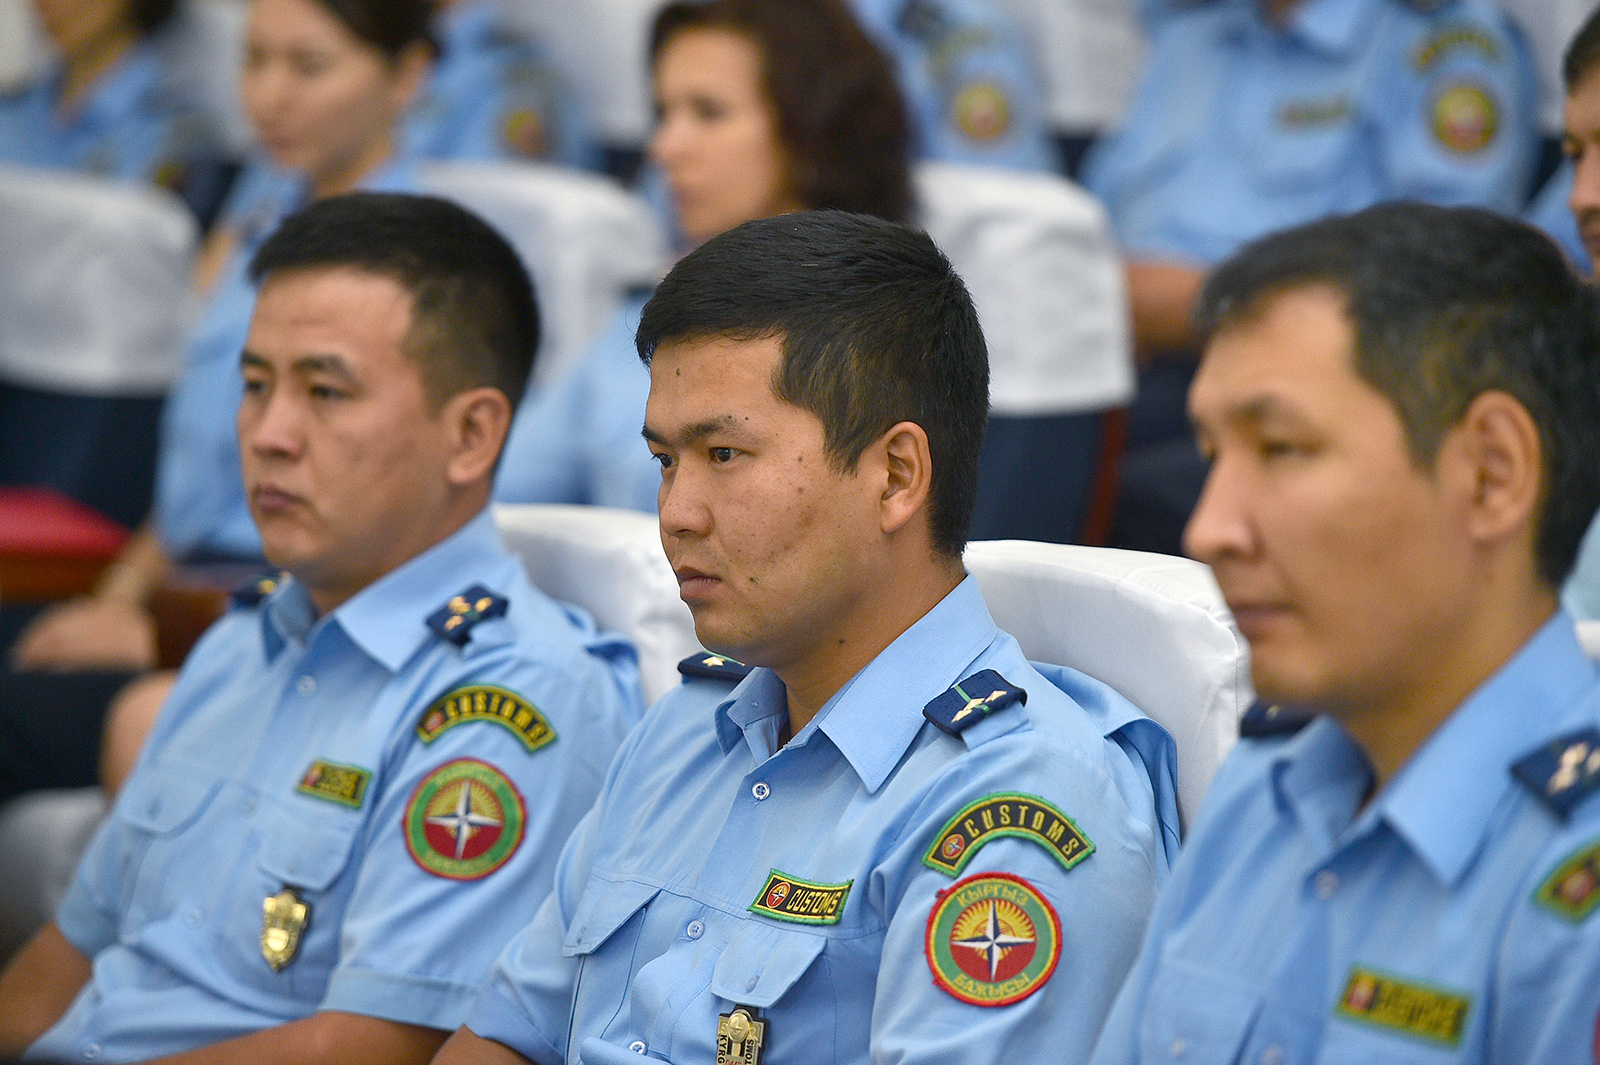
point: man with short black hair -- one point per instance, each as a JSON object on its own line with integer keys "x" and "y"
{"x": 1401, "y": 859}
{"x": 355, "y": 792}
{"x": 865, "y": 827}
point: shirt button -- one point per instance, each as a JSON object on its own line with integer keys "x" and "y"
{"x": 1179, "y": 1048}
{"x": 695, "y": 930}
{"x": 637, "y": 1046}
{"x": 193, "y": 918}
{"x": 1326, "y": 884}
{"x": 760, "y": 790}
{"x": 92, "y": 1051}
{"x": 307, "y": 685}
{"x": 1273, "y": 1055}
{"x": 248, "y": 806}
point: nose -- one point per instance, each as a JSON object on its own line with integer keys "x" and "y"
{"x": 666, "y": 140}
{"x": 1219, "y": 527}
{"x": 270, "y": 424}
{"x": 682, "y": 504}
{"x": 1585, "y": 196}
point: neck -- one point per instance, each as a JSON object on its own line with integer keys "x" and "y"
{"x": 813, "y": 677}
{"x": 329, "y": 592}
{"x": 86, "y": 65}
{"x": 347, "y": 174}
{"x": 1391, "y": 730}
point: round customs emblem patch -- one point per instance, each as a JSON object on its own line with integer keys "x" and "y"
{"x": 992, "y": 939}
{"x": 464, "y": 821}
{"x": 982, "y": 111}
{"x": 1464, "y": 118}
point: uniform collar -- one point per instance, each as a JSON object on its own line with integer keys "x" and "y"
{"x": 464, "y": 24}
{"x": 388, "y": 618}
{"x": 120, "y": 90}
{"x": 874, "y": 718}
{"x": 1333, "y": 27}
{"x": 1442, "y": 800}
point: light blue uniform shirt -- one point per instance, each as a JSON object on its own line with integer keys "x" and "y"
{"x": 1551, "y": 213}
{"x": 1286, "y": 892}
{"x": 1241, "y": 128}
{"x": 963, "y": 67}
{"x": 199, "y": 500}
{"x": 649, "y": 934}
{"x": 169, "y": 899}
{"x": 577, "y": 440}
{"x": 493, "y": 94}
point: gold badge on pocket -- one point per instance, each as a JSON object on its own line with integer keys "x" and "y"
{"x": 284, "y": 918}
{"x": 740, "y": 1036}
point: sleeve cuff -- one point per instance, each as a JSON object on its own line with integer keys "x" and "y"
{"x": 83, "y": 924}
{"x": 498, "y": 1018}
{"x": 408, "y": 999}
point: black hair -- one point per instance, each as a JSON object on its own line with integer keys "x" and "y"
{"x": 876, "y": 328}
{"x": 1583, "y": 53}
{"x": 1446, "y": 304}
{"x": 390, "y": 26}
{"x": 473, "y": 317}
{"x": 148, "y": 16}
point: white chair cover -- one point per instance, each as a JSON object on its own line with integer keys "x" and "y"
{"x": 94, "y": 283}
{"x": 584, "y": 239}
{"x": 1153, "y": 627}
{"x": 1037, "y": 254}
{"x": 601, "y": 48}
{"x": 610, "y": 563}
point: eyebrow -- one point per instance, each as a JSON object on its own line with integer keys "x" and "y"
{"x": 1254, "y": 411}
{"x": 695, "y": 433}
{"x": 333, "y": 364}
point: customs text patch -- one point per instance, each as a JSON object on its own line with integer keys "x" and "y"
{"x": 485, "y": 702}
{"x": 1429, "y": 1013}
{"x": 345, "y": 784}
{"x": 1007, "y": 814}
{"x": 789, "y": 898}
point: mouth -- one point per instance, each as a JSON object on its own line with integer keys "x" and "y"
{"x": 694, "y": 584}
{"x": 1256, "y": 618}
{"x": 268, "y": 499}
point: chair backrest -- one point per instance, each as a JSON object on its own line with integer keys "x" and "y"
{"x": 585, "y": 240}
{"x": 610, "y": 563}
{"x": 94, "y": 283}
{"x": 1037, "y": 254}
{"x": 1153, "y": 627}
{"x": 602, "y": 46}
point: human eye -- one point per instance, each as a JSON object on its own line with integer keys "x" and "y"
{"x": 662, "y": 459}
{"x": 722, "y": 455}
{"x": 311, "y": 64}
{"x": 1571, "y": 147}
{"x": 708, "y": 110}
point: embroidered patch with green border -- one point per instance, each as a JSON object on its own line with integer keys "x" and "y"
{"x": 1573, "y": 890}
{"x": 992, "y": 939}
{"x": 464, "y": 820}
{"x": 1428, "y": 53}
{"x": 1007, "y": 814}
{"x": 344, "y": 784}
{"x": 1434, "y": 1014}
{"x": 486, "y": 702}
{"x": 788, "y": 898}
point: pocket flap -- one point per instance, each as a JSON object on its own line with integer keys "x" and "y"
{"x": 161, "y": 800}
{"x": 605, "y": 907}
{"x": 308, "y": 856}
{"x": 762, "y": 961}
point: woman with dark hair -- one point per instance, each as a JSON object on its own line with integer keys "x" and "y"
{"x": 112, "y": 105}
{"x": 762, "y": 108}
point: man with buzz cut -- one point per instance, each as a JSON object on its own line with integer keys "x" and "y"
{"x": 358, "y": 787}
{"x": 1400, "y": 861}
{"x": 865, "y": 828}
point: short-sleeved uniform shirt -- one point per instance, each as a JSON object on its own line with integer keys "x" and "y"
{"x": 1450, "y": 920}
{"x": 409, "y": 791}
{"x": 494, "y": 94}
{"x": 963, "y": 67}
{"x": 1242, "y": 127}
{"x": 200, "y": 507}
{"x": 876, "y": 889}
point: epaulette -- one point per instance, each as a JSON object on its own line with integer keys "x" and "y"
{"x": 1266, "y": 719}
{"x": 922, "y": 20}
{"x": 971, "y": 701}
{"x": 454, "y": 620}
{"x": 1564, "y": 771}
{"x": 716, "y": 667}
{"x": 1425, "y": 7}
{"x": 254, "y": 590}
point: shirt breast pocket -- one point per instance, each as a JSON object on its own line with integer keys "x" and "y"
{"x": 1310, "y": 144}
{"x": 153, "y": 817}
{"x": 1196, "y": 1017}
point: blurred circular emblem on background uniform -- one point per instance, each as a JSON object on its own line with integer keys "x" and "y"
{"x": 1464, "y": 118}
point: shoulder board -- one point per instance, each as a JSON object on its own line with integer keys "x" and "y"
{"x": 715, "y": 667}
{"x": 1265, "y": 720}
{"x": 1425, "y": 7}
{"x": 1563, "y": 772}
{"x": 253, "y": 591}
{"x": 971, "y": 701}
{"x": 922, "y": 20}
{"x": 455, "y": 620}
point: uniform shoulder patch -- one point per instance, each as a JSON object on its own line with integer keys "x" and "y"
{"x": 1434, "y": 1014}
{"x": 982, "y": 111}
{"x": 455, "y": 620}
{"x": 1563, "y": 772}
{"x": 1465, "y": 117}
{"x": 1573, "y": 889}
{"x": 464, "y": 820}
{"x": 1435, "y": 47}
{"x": 972, "y": 700}
{"x": 252, "y": 592}
{"x": 992, "y": 939}
{"x": 715, "y": 667}
{"x": 788, "y": 898}
{"x": 343, "y": 784}
{"x": 486, "y": 702}
{"x": 1263, "y": 720}
{"x": 1007, "y": 814}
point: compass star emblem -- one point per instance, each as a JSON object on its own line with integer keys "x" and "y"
{"x": 464, "y": 822}
{"x": 993, "y": 942}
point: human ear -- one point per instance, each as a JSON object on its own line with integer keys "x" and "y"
{"x": 476, "y": 422}
{"x": 1499, "y": 444}
{"x": 411, "y": 68}
{"x": 908, "y": 474}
